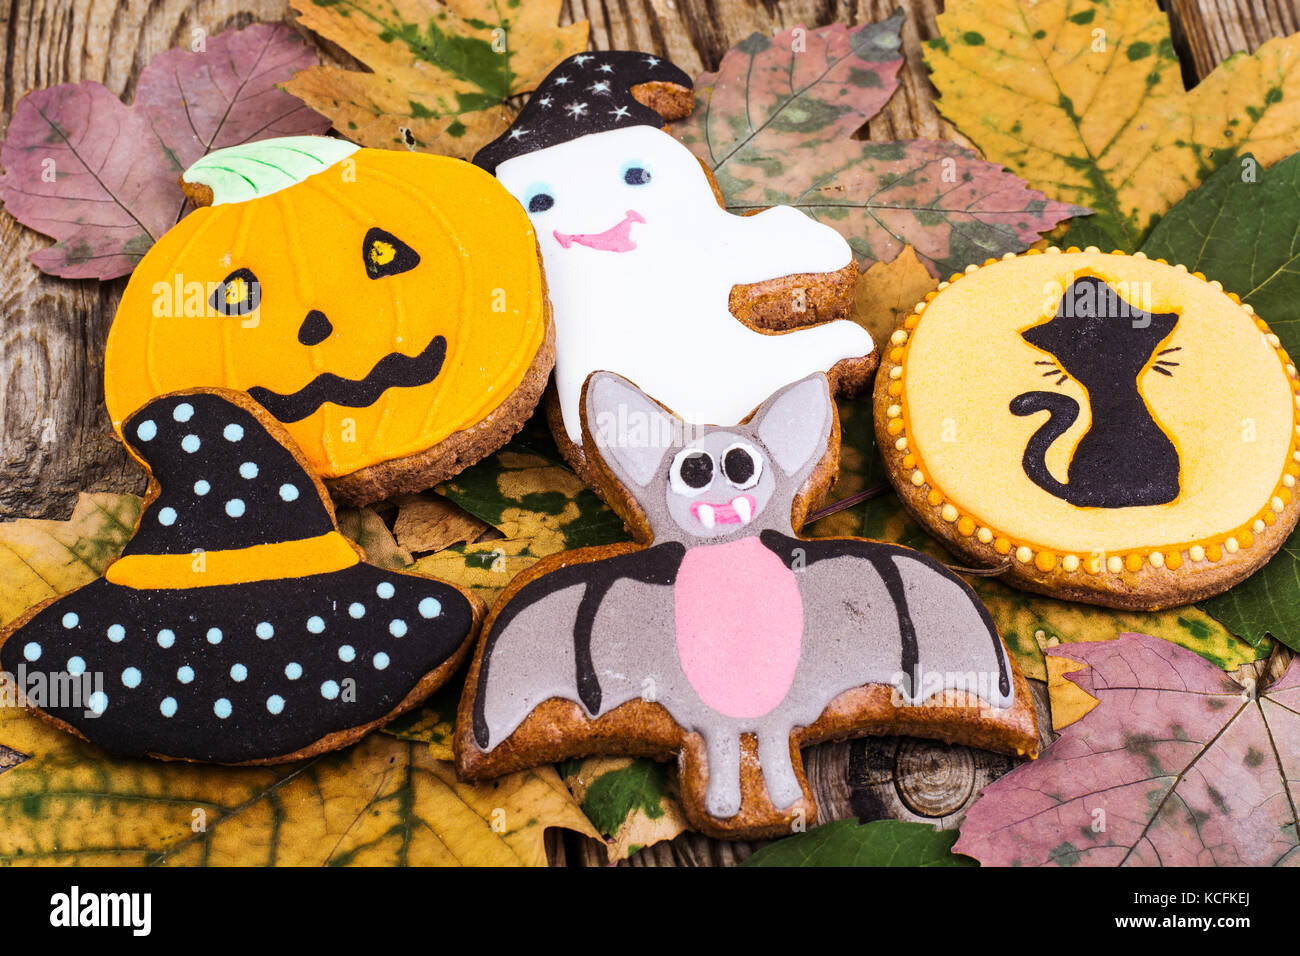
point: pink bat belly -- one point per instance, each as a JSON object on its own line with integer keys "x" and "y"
{"x": 739, "y": 623}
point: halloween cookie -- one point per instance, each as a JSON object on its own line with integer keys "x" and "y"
{"x": 239, "y": 626}
{"x": 1112, "y": 428}
{"x": 388, "y": 308}
{"x": 649, "y": 276}
{"x": 723, "y": 639}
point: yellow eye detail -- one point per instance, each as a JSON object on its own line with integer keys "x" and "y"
{"x": 236, "y": 290}
{"x": 382, "y": 253}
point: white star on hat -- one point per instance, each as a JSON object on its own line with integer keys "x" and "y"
{"x": 606, "y": 68}
{"x": 600, "y": 87}
{"x": 576, "y": 109}
{"x": 516, "y": 133}
{"x": 544, "y": 102}
{"x": 619, "y": 113}
{"x": 561, "y": 81}
{"x": 581, "y": 59}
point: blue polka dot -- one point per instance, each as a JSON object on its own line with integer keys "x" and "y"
{"x": 238, "y": 673}
{"x": 385, "y": 590}
{"x": 288, "y": 492}
{"x": 116, "y": 632}
{"x": 32, "y": 651}
{"x": 293, "y": 670}
{"x": 98, "y": 702}
{"x": 329, "y": 690}
{"x": 347, "y": 654}
{"x": 248, "y": 470}
{"x": 381, "y": 661}
{"x": 131, "y": 677}
{"x": 168, "y": 707}
{"x": 70, "y": 620}
{"x": 166, "y": 517}
{"x": 315, "y": 624}
{"x": 430, "y": 607}
{"x": 190, "y": 443}
{"x": 201, "y": 487}
{"x": 265, "y": 631}
{"x": 357, "y": 610}
{"x": 222, "y": 708}
{"x": 214, "y": 635}
{"x": 185, "y": 674}
{"x": 166, "y": 638}
{"x": 76, "y": 666}
{"x": 235, "y": 508}
{"x": 147, "y": 430}
{"x": 232, "y": 432}
{"x": 397, "y": 628}
{"x": 275, "y": 704}
{"x": 184, "y": 412}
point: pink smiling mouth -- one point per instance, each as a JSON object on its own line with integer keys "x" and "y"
{"x": 739, "y": 510}
{"x": 614, "y": 239}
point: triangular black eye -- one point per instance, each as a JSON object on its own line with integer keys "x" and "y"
{"x": 238, "y": 294}
{"x": 385, "y": 255}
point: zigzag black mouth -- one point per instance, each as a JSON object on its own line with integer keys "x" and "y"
{"x": 394, "y": 370}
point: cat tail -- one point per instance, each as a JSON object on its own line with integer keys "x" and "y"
{"x": 1063, "y": 410}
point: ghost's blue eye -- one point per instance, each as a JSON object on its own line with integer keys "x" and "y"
{"x": 540, "y": 202}
{"x": 636, "y": 176}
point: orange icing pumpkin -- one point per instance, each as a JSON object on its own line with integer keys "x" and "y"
{"x": 375, "y": 302}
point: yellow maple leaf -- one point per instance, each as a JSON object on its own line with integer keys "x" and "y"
{"x": 443, "y": 70}
{"x": 1084, "y": 99}
{"x": 889, "y": 291}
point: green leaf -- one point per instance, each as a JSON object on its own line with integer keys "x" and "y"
{"x": 1242, "y": 228}
{"x": 849, "y": 843}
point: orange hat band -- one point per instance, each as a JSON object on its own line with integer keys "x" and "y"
{"x": 260, "y": 562}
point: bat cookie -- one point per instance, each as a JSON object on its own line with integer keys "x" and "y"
{"x": 649, "y": 276}
{"x": 239, "y": 626}
{"x": 722, "y": 638}
{"x": 388, "y": 308}
{"x": 1111, "y": 428}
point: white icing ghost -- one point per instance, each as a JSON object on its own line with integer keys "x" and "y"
{"x": 640, "y": 261}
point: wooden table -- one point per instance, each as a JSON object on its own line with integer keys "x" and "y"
{"x": 55, "y": 439}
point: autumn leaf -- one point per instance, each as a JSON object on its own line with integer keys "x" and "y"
{"x": 367, "y": 528}
{"x": 774, "y": 125}
{"x": 1026, "y": 621}
{"x": 1085, "y": 99}
{"x": 102, "y": 177}
{"x": 441, "y": 70}
{"x": 382, "y": 802}
{"x": 41, "y": 559}
{"x": 630, "y": 801}
{"x": 429, "y": 522}
{"x": 849, "y": 843}
{"x": 1177, "y": 765}
{"x": 889, "y": 291}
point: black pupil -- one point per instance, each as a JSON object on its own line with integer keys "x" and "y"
{"x": 636, "y": 176}
{"x": 541, "y": 202}
{"x": 697, "y": 470}
{"x": 738, "y": 466}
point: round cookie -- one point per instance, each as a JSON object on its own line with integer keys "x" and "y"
{"x": 649, "y": 276}
{"x": 722, "y": 639}
{"x": 1114, "y": 429}
{"x": 388, "y": 308}
{"x": 238, "y": 626}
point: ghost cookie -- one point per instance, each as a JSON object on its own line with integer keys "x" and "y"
{"x": 239, "y": 626}
{"x": 648, "y": 275}
{"x": 388, "y": 308}
{"x": 1111, "y": 428}
{"x": 723, "y": 639}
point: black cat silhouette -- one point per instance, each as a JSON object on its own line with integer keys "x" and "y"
{"x": 1101, "y": 341}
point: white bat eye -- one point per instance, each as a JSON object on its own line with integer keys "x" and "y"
{"x": 692, "y": 471}
{"x": 742, "y": 465}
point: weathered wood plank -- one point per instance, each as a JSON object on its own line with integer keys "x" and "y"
{"x": 1212, "y": 30}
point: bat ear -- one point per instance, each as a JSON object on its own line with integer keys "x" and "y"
{"x": 795, "y": 423}
{"x": 628, "y": 429}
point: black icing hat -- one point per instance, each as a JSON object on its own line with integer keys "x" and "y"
{"x": 589, "y": 93}
{"x": 238, "y": 626}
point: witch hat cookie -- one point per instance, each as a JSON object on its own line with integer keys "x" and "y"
{"x": 648, "y": 275}
{"x": 723, "y": 639}
{"x": 239, "y": 626}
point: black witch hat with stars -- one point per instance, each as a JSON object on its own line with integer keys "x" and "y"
{"x": 586, "y": 93}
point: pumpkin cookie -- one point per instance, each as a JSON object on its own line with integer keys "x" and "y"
{"x": 1112, "y": 428}
{"x": 239, "y": 626}
{"x": 650, "y": 277}
{"x": 388, "y": 308}
{"x": 722, "y": 639}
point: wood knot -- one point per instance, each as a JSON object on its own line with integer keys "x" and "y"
{"x": 933, "y": 779}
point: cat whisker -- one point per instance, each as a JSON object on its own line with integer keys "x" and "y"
{"x": 1162, "y": 371}
{"x": 1167, "y": 363}
{"x": 1050, "y": 372}
{"x": 1176, "y": 348}
{"x": 1062, "y": 379}
{"x": 1044, "y": 362}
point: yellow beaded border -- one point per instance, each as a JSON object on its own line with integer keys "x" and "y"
{"x": 1171, "y": 557}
